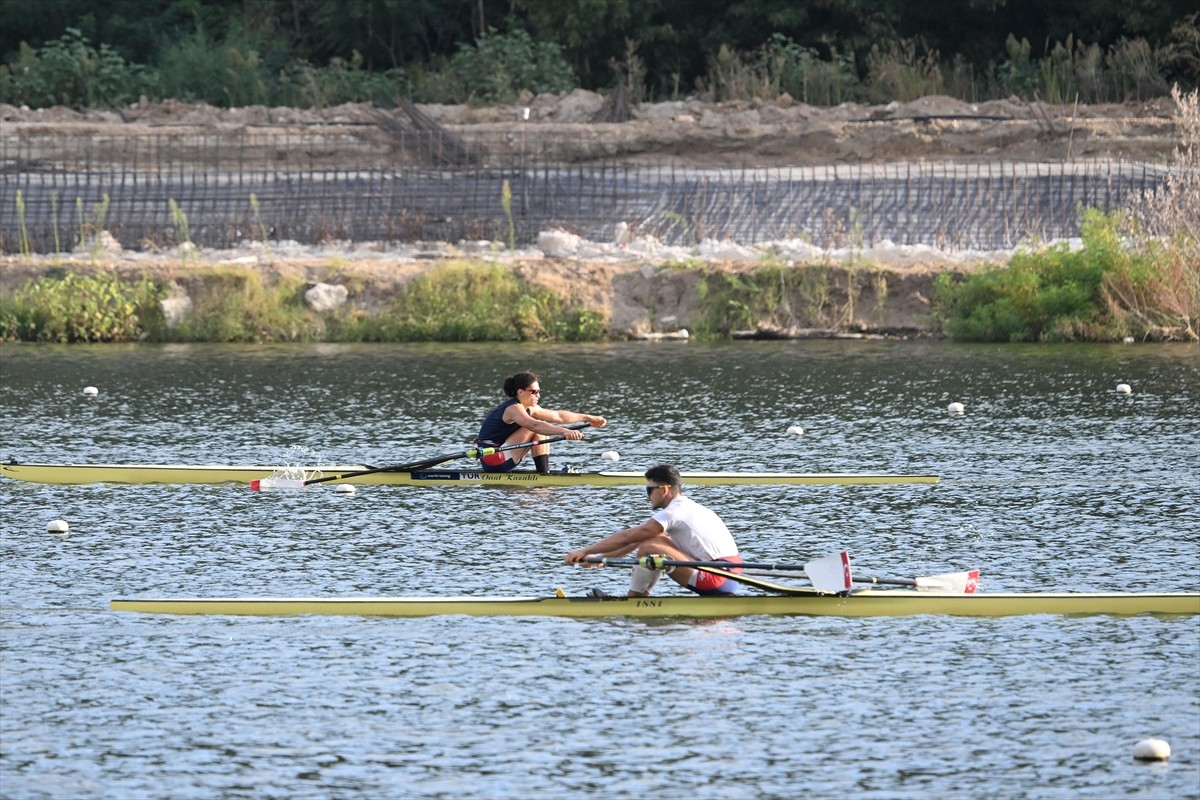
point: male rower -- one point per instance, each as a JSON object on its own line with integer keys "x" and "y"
{"x": 680, "y": 529}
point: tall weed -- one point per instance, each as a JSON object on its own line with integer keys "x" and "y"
{"x": 1164, "y": 223}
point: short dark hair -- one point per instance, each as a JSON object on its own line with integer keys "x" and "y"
{"x": 664, "y": 475}
{"x": 522, "y": 380}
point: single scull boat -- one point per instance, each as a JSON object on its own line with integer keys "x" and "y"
{"x": 813, "y": 602}
{"x": 214, "y": 473}
{"x": 832, "y": 594}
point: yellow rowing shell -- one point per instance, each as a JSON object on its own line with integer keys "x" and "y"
{"x": 215, "y": 473}
{"x": 868, "y": 603}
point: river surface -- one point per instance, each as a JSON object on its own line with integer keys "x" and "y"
{"x": 1051, "y": 480}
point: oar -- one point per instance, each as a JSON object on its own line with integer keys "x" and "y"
{"x": 831, "y": 574}
{"x": 474, "y": 452}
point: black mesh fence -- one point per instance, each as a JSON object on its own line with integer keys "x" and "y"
{"x": 370, "y": 184}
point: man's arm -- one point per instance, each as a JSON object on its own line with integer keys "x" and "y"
{"x": 619, "y": 543}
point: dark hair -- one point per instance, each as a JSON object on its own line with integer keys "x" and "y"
{"x": 664, "y": 475}
{"x": 522, "y": 380}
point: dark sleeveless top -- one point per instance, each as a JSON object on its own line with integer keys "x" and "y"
{"x": 494, "y": 428}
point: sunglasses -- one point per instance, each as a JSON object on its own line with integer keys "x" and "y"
{"x": 650, "y": 489}
{"x": 534, "y": 391}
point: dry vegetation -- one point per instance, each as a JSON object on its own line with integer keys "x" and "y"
{"x": 1169, "y": 218}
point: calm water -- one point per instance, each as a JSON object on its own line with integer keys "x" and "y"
{"x": 1051, "y": 480}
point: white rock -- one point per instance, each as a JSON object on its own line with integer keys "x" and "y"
{"x": 326, "y": 297}
{"x": 175, "y": 309}
{"x": 558, "y": 243}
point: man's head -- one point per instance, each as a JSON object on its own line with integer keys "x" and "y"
{"x": 663, "y": 485}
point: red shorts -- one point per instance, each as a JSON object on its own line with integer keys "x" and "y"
{"x": 707, "y": 583}
{"x": 495, "y": 462}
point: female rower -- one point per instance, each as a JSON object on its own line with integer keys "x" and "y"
{"x": 521, "y": 419}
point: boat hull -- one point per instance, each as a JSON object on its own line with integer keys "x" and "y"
{"x": 870, "y": 603}
{"x": 215, "y": 473}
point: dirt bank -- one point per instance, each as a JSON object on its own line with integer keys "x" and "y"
{"x": 778, "y": 132}
{"x": 636, "y": 297}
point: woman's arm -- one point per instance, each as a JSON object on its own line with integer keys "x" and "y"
{"x": 516, "y": 414}
{"x": 561, "y": 417}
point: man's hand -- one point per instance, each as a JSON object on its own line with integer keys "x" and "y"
{"x": 575, "y": 558}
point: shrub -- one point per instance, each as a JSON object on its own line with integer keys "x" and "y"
{"x": 1052, "y": 294}
{"x": 82, "y": 308}
{"x": 471, "y": 302}
{"x": 234, "y": 305}
{"x": 497, "y": 67}
{"x": 70, "y": 72}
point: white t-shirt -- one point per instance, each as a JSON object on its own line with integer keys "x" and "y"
{"x": 698, "y": 531}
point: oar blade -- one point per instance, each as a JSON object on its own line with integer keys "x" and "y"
{"x": 831, "y": 573}
{"x": 950, "y": 582}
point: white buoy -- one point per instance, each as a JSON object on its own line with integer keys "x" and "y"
{"x": 1152, "y": 750}
{"x": 1124, "y": 388}
{"x": 344, "y": 488}
{"x": 1128, "y": 340}
{"x": 955, "y": 408}
{"x": 90, "y": 390}
{"x": 610, "y": 455}
{"x": 57, "y": 526}
{"x": 795, "y": 430}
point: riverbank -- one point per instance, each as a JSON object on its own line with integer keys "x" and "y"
{"x": 624, "y": 289}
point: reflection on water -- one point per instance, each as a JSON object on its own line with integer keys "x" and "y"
{"x": 1050, "y": 480}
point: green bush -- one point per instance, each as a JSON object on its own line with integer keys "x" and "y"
{"x": 82, "y": 308}
{"x": 469, "y": 303}
{"x": 234, "y": 305}
{"x": 302, "y": 85}
{"x": 201, "y": 69}
{"x": 1052, "y": 294}
{"x": 70, "y": 72}
{"x": 497, "y": 67}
